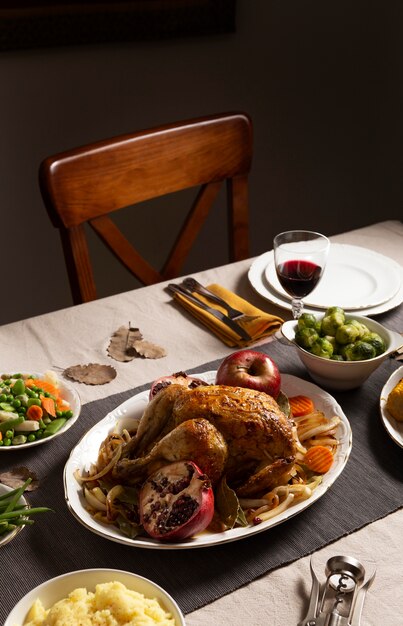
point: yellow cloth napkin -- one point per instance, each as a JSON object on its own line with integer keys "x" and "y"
{"x": 258, "y": 325}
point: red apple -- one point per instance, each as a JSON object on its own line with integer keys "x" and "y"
{"x": 252, "y": 369}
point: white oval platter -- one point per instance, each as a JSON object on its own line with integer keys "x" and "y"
{"x": 86, "y": 452}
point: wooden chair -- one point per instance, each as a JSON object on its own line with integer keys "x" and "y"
{"x": 86, "y": 184}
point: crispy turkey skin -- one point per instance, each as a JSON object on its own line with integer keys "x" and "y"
{"x": 254, "y": 438}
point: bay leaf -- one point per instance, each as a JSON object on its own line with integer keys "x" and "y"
{"x": 121, "y": 346}
{"x": 227, "y": 505}
{"x": 149, "y": 350}
{"x": 17, "y": 477}
{"x": 91, "y": 374}
{"x": 283, "y": 403}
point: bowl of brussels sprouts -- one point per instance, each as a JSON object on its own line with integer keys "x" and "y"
{"x": 339, "y": 350}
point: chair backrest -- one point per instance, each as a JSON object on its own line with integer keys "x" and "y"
{"x": 86, "y": 184}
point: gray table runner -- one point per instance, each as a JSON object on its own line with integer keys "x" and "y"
{"x": 369, "y": 488}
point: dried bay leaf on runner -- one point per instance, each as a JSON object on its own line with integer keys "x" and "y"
{"x": 121, "y": 345}
{"x": 149, "y": 350}
{"x": 91, "y": 374}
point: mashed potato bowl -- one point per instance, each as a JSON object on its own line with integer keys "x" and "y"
{"x": 59, "y": 588}
{"x": 343, "y": 375}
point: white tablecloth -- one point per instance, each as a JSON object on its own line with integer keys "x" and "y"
{"x": 80, "y": 335}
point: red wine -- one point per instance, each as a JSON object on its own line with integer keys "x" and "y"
{"x": 298, "y": 278}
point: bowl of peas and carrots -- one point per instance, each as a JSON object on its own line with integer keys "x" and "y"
{"x": 35, "y": 408}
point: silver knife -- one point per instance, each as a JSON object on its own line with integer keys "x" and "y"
{"x": 220, "y": 316}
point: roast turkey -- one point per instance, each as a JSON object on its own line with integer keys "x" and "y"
{"x": 233, "y": 431}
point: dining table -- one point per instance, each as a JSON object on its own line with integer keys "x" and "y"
{"x": 258, "y": 580}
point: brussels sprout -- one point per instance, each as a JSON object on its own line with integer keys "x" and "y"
{"x": 362, "y": 329}
{"x": 322, "y": 347}
{"x": 332, "y": 340}
{"x": 335, "y": 309}
{"x": 336, "y": 357}
{"x": 344, "y": 349}
{"x": 376, "y": 341}
{"x": 347, "y": 333}
{"x": 307, "y": 320}
{"x": 305, "y": 337}
{"x": 330, "y": 323}
{"x": 360, "y": 351}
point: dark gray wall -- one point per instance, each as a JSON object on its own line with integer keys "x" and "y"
{"x": 321, "y": 81}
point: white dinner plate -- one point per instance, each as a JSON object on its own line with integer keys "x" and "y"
{"x": 86, "y": 452}
{"x": 69, "y": 394}
{"x": 393, "y": 427}
{"x": 354, "y": 278}
{"x": 337, "y": 293}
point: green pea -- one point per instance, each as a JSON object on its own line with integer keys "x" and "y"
{"x": 1, "y": 443}
{"x": 68, "y": 414}
{"x": 7, "y": 441}
{"x": 10, "y": 397}
{"x": 3, "y": 397}
{"x": 39, "y": 434}
{"x": 31, "y": 437}
{"x": 16, "y": 403}
{"x": 23, "y": 398}
{"x": 9, "y": 434}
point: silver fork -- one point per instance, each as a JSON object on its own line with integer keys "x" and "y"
{"x": 234, "y": 314}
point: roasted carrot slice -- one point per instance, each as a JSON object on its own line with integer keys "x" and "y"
{"x": 319, "y": 459}
{"x": 301, "y": 405}
{"x": 43, "y": 384}
{"x": 34, "y": 412}
{"x": 48, "y": 404}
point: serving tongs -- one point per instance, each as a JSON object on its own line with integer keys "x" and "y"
{"x": 340, "y": 600}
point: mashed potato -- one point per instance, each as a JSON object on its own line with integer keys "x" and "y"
{"x": 112, "y": 604}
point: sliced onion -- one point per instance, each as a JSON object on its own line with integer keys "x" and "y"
{"x": 107, "y": 468}
{"x": 93, "y": 501}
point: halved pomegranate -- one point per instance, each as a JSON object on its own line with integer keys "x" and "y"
{"x": 180, "y": 378}
{"x": 176, "y": 502}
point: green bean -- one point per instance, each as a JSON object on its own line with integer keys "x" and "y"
{"x": 18, "y": 387}
{"x": 54, "y": 426}
{"x": 15, "y": 495}
{"x": 9, "y": 424}
{"x": 33, "y": 511}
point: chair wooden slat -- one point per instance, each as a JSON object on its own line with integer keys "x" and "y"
{"x": 86, "y": 184}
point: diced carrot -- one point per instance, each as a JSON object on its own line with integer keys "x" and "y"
{"x": 43, "y": 384}
{"x": 319, "y": 459}
{"x": 301, "y": 405}
{"x": 34, "y": 412}
{"x": 1, "y": 435}
{"x": 61, "y": 405}
{"x": 48, "y": 405}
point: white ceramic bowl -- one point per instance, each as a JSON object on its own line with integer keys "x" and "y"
{"x": 9, "y": 536}
{"x": 343, "y": 375}
{"x": 69, "y": 394}
{"x": 58, "y": 588}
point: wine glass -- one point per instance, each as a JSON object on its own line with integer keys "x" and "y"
{"x": 300, "y": 258}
